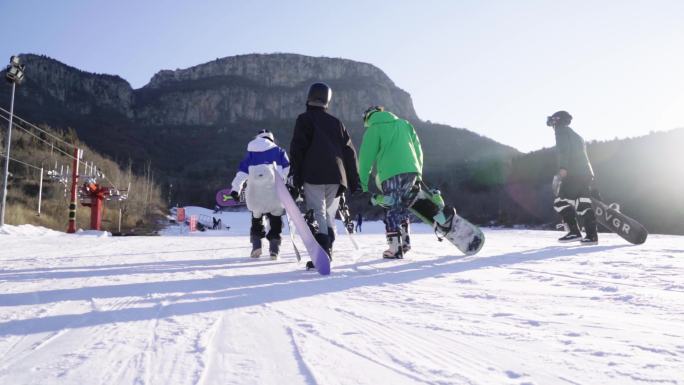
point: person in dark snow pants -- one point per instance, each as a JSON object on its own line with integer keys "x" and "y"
{"x": 576, "y": 181}
{"x": 263, "y": 162}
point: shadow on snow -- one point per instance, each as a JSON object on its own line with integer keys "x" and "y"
{"x": 223, "y": 293}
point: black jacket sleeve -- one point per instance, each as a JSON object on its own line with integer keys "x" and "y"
{"x": 563, "y": 149}
{"x": 301, "y": 140}
{"x": 350, "y": 161}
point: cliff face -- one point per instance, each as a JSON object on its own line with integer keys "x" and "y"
{"x": 264, "y": 87}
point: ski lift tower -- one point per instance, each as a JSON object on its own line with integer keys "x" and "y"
{"x": 93, "y": 195}
{"x": 14, "y": 75}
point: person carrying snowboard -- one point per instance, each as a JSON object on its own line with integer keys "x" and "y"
{"x": 324, "y": 162}
{"x": 392, "y": 146}
{"x": 263, "y": 162}
{"x": 576, "y": 181}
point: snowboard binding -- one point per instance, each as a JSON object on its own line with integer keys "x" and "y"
{"x": 346, "y": 215}
{"x": 428, "y": 205}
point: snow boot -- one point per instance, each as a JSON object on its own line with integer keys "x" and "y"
{"x": 590, "y": 227}
{"x": 256, "y": 232}
{"x": 395, "y": 250}
{"x": 256, "y": 246}
{"x": 324, "y": 241}
{"x": 570, "y": 219}
{"x": 570, "y": 237}
{"x": 274, "y": 247}
{"x": 405, "y": 231}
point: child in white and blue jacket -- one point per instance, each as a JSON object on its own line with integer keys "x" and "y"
{"x": 264, "y": 162}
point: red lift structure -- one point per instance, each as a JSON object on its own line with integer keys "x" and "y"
{"x": 93, "y": 196}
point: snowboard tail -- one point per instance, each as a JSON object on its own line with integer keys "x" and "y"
{"x": 224, "y": 199}
{"x": 318, "y": 256}
{"x": 619, "y": 223}
{"x": 430, "y": 208}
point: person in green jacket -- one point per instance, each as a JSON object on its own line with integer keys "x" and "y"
{"x": 573, "y": 198}
{"x": 392, "y": 146}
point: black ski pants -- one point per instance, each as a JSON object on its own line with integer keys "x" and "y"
{"x": 275, "y": 223}
{"x": 574, "y": 199}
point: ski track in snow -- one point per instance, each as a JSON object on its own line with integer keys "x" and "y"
{"x": 194, "y": 309}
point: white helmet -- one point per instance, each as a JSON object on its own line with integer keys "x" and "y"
{"x": 266, "y": 134}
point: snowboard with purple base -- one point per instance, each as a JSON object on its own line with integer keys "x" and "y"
{"x": 318, "y": 256}
{"x": 223, "y": 198}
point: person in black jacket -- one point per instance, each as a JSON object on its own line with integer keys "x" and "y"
{"x": 577, "y": 179}
{"x": 322, "y": 162}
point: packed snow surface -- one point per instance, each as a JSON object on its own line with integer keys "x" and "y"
{"x": 195, "y": 309}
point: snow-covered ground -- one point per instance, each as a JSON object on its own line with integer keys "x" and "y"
{"x": 194, "y": 309}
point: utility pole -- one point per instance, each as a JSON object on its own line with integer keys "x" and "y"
{"x": 74, "y": 191}
{"x": 14, "y": 75}
{"x": 40, "y": 189}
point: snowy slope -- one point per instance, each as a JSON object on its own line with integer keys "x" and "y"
{"x": 196, "y": 310}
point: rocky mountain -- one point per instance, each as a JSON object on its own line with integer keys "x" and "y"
{"x": 193, "y": 124}
{"x": 263, "y": 87}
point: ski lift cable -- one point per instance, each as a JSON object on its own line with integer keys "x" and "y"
{"x": 38, "y": 137}
{"x": 45, "y": 141}
{"x": 38, "y": 128}
{"x": 18, "y": 161}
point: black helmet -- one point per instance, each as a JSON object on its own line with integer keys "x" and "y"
{"x": 560, "y": 118}
{"x": 319, "y": 95}
{"x": 370, "y": 111}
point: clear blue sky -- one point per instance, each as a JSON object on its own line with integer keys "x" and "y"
{"x": 495, "y": 67}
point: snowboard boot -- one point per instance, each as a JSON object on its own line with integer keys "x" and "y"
{"x": 331, "y": 241}
{"x": 570, "y": 219}
{"x": 274, "y": 248}
{"x": 256, "y": 232}
{"x": 324, "y": 241}
{"x": 405, "y": 231}
{"x": 570, "y": 237}
{"x": 590, "y": 227}
{"x": 256, "y": 246}
{"x": 395, "y": 250}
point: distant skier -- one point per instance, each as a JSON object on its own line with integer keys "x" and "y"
{"x": 392, "y": 145}
{"x": 264, "y": 162}
{"x": 359, "y": 222}
{"x": 576, "y": 178}
{"x": 324, "y": 162}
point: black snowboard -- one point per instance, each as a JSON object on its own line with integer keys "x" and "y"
{"x": 619, "y": 223}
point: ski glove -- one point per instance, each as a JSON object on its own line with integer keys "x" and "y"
{"x": 235, "y": 195}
